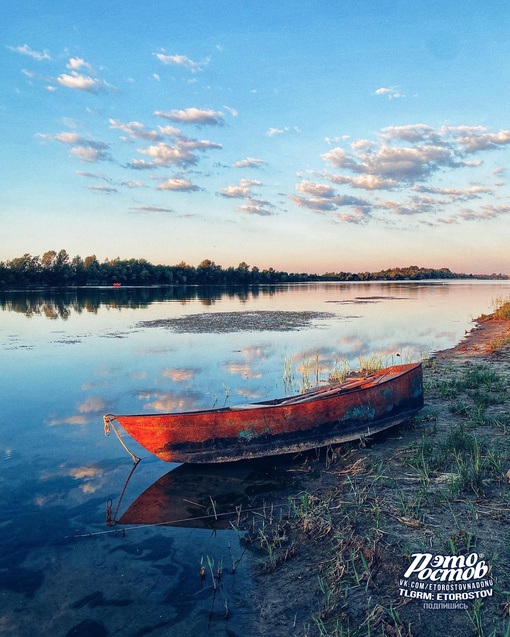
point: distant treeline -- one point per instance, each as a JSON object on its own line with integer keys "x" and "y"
{"x": 59, "y": 269}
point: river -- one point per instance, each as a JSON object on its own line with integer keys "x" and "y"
{"x": 68, "y": 357}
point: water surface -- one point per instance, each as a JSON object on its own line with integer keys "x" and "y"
{"x": 69, "y": 357}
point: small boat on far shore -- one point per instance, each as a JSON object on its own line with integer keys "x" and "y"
{"x": 351, "y": 410}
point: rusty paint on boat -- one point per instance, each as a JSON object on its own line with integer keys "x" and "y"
{"x": 356, "y": 408}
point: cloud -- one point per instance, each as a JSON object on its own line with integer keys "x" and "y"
{"x": 271, "y": 132}
{"x": 141, "y": 164}
{"x": 359, "y": 216}
{"x": 258, "y": 207}
{"x": 406, "y": 159}
{"x": 79, "y": 63}
{"x": 249, "y": 162}
{"x": 106, "y": 189}
{"x": 133, "y": 183}
{"x": 136, "y": 130}
{"x": 89, "y": 154}
{"x": 391, "y": 93}
{"x": 315, "y": 189}
{"x": 232, "y": 111}
{"x": 182, "y": 61}
{"x": 85, "y": 149}
{"x": 182, "y": 153}
{"x": 178, "y": 185}
{"x": 151, "y": 209}
{"x": 197, "y": 116}
{"x": 240, "y": 191}
{"x": 84, "y": 173}
{"x": 471, "y": 192}
{"x": 364, "y": 182}
{"x": 414, "y": 206}
{"x": 486, "y": 212}
{"x": 26, "y": 50}
{"x": 80, "y": 82}
{"x": 324, "y": 198}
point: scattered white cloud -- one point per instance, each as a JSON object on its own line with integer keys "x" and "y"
{"x": 106, "y": 189}
{"x": 315, "y": 189}
{"x": 392, "y": 92}
{"x": 183, "y": 152}
{"x": 249, "y": 162}
{"x": 80, "y": 82}
{"x": 182, "y": 61}
{"x": 79, "y": 63}
{"x": 271, "y": 132}
{"x": 178, "y": 185}
{"x": 26, "y": 50}
{"x": 241, "y": 190}
{"x": 232, "y": 111}
{"x": 85, "y": 149}
{"x": 133, "y": 183}
{"x": 136, "y": 130}
{"x": 259, "y": 207}
{"x": 197, "y": 116}
{"x": 151, "y": 209}
{"x": 89, "y": 154}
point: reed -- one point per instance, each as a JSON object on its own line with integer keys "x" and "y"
{"x": 501, "y": 307}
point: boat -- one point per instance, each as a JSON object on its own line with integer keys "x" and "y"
{"x": 357, "y": 408}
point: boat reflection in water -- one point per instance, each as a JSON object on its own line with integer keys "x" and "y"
{"x": 208, "y": 496}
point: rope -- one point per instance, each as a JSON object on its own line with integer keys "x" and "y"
{"x": 108, "y": 425}
{"x": 169, "y": 522}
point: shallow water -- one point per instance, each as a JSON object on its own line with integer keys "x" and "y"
{"x": 68, "y": 358}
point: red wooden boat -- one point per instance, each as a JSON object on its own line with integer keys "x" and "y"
{"x": 354, "y": 409}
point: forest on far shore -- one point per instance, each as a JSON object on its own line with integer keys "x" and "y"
{"x": 59, "y": 269}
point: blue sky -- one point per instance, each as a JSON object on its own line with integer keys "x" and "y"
{"x": 306, "y": 136}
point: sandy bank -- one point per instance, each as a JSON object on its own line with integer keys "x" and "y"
{"x": 332, "y": 562}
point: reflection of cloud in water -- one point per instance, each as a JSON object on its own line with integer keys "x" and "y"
{"x": 92, "y": 404}
{"x": 351, "y": 345}
{"x": 180, "y": 375}
{"x": 138, "y": 375}
{"x": 170, "y": 401}
{"x": 243, "y": 369}
{"x": 258, "y": 352}
{"x": 246, "y": 393}
{"x": 154, "y": 351}
{"x": 70, "y": 420}
{"x": 92, "y": 478}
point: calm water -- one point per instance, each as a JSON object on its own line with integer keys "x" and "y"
{"x": 68, "y": 358}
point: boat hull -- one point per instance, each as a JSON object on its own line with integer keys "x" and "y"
{"x": 331, "y": 415}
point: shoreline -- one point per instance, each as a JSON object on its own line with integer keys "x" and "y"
{"x": 334, "y": 563}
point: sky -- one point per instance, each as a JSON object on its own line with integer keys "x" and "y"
{"x": 308, "y": 136}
